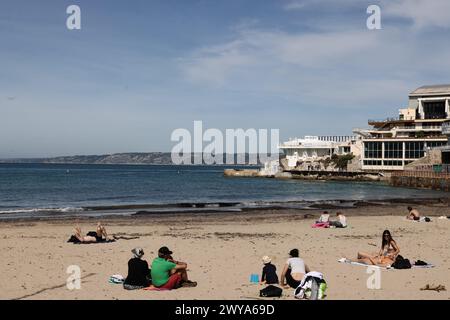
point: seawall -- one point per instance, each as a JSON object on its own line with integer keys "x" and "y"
{"x": 435, "y": 182}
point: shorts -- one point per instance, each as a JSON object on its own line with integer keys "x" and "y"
{"x": 291, "y": 282}
{"x": 173, "y": 282}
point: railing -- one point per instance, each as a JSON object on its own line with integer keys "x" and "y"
{"x": 436, "y": 168}
{"x": 400, "y": 138}
{"x": 336, "y": 138}
{"x": 383, "y": 120}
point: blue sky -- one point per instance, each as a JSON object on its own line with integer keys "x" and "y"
{"x": 137, "y": 70}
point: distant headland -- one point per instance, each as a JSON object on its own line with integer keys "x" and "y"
{"x": 131, "y": 158}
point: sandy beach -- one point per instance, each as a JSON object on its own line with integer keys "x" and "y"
{"x": 223, "y": 250}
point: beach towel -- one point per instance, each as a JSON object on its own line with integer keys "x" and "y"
{"x": 356, "y": 263}
{"x": 155, "y": 289}
{"x": 422, "y": 264}
{"x": 321, "y": 225}
{"x": 428, "y": 266}
{"x": 421, "y": 219}
{"x": 75, "y": 240}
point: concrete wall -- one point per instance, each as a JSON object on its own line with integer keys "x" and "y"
{"x": 413, "y": 103}
{"x": 408, "y": 114}
{"x": 442, "y": 184}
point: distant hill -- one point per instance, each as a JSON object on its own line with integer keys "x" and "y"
{"x": 116, "y": 158}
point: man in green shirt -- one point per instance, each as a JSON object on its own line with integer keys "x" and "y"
{"x": 167, "y": 273}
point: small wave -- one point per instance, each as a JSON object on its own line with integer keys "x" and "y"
{"x": 43, "y": 210}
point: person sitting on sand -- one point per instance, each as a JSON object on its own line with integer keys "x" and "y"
{"x": 269, "y": 272}
{"x": 413, "y": 214}
{"x": 387, "y": 255}
{"x": 293, "y": 271}
{"x": 341, "y": 222}
{"x": 169, "y": 274}
{"x": 324, "y": 217}
{"x": 138, "y": 272}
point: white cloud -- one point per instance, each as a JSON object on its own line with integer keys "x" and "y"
{"x": 345, "y": 68}
{"x": 423, "y": 13}
{"x": 294, "y": 5}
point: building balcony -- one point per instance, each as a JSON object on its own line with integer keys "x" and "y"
{"x": 383, "y": 121}
{"x": 406, "y": 138}
{"x": 416, "y": 128}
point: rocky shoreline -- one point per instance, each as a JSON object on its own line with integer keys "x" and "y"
{"x": 309, "y": 175}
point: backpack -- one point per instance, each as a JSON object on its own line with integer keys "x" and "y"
{"x": 311, "y": 288}
{"x": 401, "y": 263}
{"x": 271, "y": 291}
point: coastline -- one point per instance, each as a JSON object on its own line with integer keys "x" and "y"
{"x": 222, "y": 250}
{"x": 227, "y": 209}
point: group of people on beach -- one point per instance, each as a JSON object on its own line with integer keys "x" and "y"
{"x": 292, "y": 274}
{"x": 165, "y": 273}
{"x": 389, "y": 250}
{"x": 325, "y": 222}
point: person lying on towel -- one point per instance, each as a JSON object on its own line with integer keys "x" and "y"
{"x": 387, "y": 254}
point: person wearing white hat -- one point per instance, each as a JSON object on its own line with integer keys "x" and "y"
{"x": 269, "y": 272}
{"x": 138, "y": 271}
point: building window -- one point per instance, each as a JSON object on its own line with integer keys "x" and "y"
{"x": 393, "y": 150}
{"x": 434, "y": 109}
{"x": 392, "y": 163}
{"x": 372, "y": 162}
{"x": 434, "y": 144}
{"x": 414, "y": 150}
{"x": 373, "y": 150}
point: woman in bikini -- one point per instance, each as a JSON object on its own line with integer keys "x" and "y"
{"x": 388, "y": 252}
{"x": 100, "y": 234}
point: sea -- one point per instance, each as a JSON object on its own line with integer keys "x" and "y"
{"x": 69, "y": 190}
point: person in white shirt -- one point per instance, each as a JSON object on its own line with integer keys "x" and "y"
{"x": 294, "y": 270}
{"x": 341, "y": 222}
{"x": 324, "y": 217}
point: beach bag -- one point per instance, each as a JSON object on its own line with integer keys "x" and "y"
{"x": 271, "y": 291}
{"x": 116, "y": 279}
{"x": 312, "y": 287}
{"x": 401, "y": 263}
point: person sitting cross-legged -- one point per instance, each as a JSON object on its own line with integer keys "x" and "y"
{"x": 168, "y": 273}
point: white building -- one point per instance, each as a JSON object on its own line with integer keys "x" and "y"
{"x": 314, "y": 148}
{"x": 393, "y": 143}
